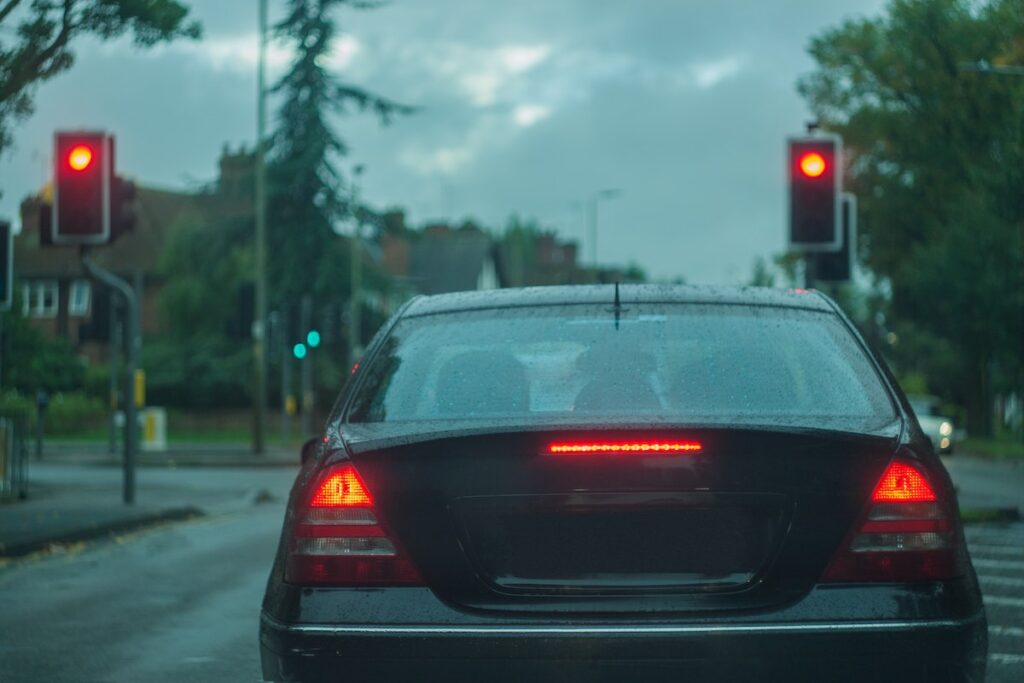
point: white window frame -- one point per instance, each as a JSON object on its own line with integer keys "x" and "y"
{"x": 34, "y": 299}
{"x": 79, "y": 298}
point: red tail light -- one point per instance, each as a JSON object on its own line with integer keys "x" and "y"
{"x": 906, "y": 535}
{"x": 337, "y": 540}
{"x": 625, "y": 448}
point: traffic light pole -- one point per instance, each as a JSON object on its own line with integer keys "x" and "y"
{"x": 132, "y": 350}
{"x": 306, "y": 315}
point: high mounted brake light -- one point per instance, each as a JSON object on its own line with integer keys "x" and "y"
{"x": 906, "y": 535}
{"x": 338, "y": 541}
{"x": 625, "y": 447}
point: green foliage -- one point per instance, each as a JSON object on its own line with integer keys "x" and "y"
{"x": 197, "y": 372}
{"x": 204, "y": 265}
{"x": 937, "y": 161}
{"x": 73, "y": 413}
{"x": 35, "y": 41}
{"x": 309, "y": 195}
{"x": 33, "y": 360}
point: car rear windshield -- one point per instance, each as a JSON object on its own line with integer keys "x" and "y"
{"x": 653, "y": 363}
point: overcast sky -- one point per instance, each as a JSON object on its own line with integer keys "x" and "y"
{"x": 528, "y": 106}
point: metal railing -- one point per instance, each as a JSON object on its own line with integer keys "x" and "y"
{"x": 13, "y": 456}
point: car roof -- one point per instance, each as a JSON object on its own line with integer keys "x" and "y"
{"x": 628, "y": 293}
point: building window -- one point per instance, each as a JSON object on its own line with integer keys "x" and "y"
{"x": 78, "y": 303}
{"x": 39, "y": 299}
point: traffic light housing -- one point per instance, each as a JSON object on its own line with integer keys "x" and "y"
{"x": 6, "y": 266}
{"x": 84, "y": 182}
{"x": 815, "y": 188}
{"x": 837, "y": 266}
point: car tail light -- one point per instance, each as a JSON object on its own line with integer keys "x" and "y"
{"x": 625, "y": 448}
{"x": 337, "y": 540}
{"x": 906, "y": 535}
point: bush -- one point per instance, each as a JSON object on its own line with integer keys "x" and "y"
{"x": 197, "y": 373}
{"x": 74, "y": 413}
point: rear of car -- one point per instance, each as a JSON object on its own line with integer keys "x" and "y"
{"x": 697, "y": 484}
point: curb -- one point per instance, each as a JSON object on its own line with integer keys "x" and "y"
{"x": 22, "y": 548}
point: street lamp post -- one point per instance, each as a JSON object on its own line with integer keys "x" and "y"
{"x": 259, "y": 399}
{"x": 595, "y": 200}
{"x": 356, "y": 271}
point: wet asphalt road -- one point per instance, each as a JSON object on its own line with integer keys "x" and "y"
{"x": 181, "y": 602}
{"x": 173, "y": 603}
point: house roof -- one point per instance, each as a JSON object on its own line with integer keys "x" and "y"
{"x": 157, "y": 213}
{"x": 449, "y": 261}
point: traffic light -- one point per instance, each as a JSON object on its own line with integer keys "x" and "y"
{"x": 837, "y": 266}
{"x": 299, "y": 351}
{"x": 313, "y": 339}
{"x": 6, "y": 266}
{"x": 83, "y": 181}
{"x": 815, "y": 185}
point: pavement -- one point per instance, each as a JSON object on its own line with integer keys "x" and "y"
{"x": 987, "y": 484}
{"x": 74, "y": 502}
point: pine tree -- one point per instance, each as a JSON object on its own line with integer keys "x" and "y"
{"x": 308, "y": 192}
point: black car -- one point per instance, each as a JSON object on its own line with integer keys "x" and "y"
{"x": 657, "y": 483}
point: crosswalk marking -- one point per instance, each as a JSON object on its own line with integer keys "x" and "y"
{"x": 1000, "y": 581}
{"x": 982, "y": 563}
{"x": 990, "y": 549}
{"x": 1000, "y": 601}
{"x": 1013, "y": 631}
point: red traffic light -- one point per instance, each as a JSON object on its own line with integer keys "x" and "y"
{"x": 813, "y": 165}
{"x": 80, "y": 158}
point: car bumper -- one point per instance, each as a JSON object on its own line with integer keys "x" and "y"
{"x": 905, "y": 651}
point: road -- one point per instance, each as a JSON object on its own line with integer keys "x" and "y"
{"x": 175, "y": 603}
{"x": 180, "y": 602}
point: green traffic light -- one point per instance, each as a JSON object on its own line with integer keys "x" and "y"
{"x": 313, "y": 339}
{"x": 300, "y": 351}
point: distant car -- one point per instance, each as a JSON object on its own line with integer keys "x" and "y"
{"x": 938, "y": 428}
{"x": 659, "y": 484}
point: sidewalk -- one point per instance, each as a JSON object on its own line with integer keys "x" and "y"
{"x": 176, "y": 455}
{"x": 69, "y": 503}
{"x": 986, "y": 484}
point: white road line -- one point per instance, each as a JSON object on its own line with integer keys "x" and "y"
{"x": 982, "y": 563}
{"x": 1000, "y": 581}
{"x": 999, "y": 601}
{"x": 989, "y": 549}
{"x": 1014, "y": 631}
{"x": 999, "y": 658}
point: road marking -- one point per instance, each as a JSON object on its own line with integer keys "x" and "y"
{"x": 989, "y": 549}
{"x": 1000, "y": 601}
{"x": 999, "y": 658}
{"x": 1014, "y": 631}
{"x": 1001, "y": 581}
{"x": 982, "y": 563}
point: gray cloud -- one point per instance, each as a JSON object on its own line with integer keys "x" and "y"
{"x": 527, "y": 106}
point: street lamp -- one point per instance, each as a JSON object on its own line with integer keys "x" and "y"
{"x": 595, "y": 200}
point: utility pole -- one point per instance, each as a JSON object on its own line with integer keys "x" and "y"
{"x": 132, "y": 350}
{"x": 595, "y": 200}
{"x": 286, "y": 376}
{"x": 308, "y": 405}
{"x": 115, "y": 345}
{"x": 259, "y": 322}
{"x": 356, "y": 272}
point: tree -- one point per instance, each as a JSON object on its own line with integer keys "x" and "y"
{"x": 936, "y": 157}
{"x": 45, "y": 29}
{"x": 308, "y": 193}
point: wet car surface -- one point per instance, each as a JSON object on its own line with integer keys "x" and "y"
{"x": 710, "y": 482}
